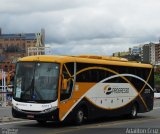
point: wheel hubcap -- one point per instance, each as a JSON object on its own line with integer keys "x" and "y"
{"x": 80, "y": 116}
{"x": 134, "y": 111}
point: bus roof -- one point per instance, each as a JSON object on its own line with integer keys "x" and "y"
{"x": 85, "y": 59}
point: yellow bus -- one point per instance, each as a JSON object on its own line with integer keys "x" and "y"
{"x": 78, "y": 88}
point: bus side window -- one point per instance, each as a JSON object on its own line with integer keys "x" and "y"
{"x": 66, "y": 93}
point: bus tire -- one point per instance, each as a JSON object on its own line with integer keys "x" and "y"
{"x": 79, "y": 116}
{"x": 42, "y": 122}
{"x": 133, "y": 112}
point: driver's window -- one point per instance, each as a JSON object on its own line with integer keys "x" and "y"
{"x": 66, "y": 94}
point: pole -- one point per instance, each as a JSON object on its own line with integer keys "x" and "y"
{"x": 4, "y": 88}
{"x": 2, "y": 84}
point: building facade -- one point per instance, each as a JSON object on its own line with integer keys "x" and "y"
{"x": 147, "y": 53}
{"x": 13, "y": 46}
{"x": 157, "y": 54}
{"x": 136, "y": 50}
{"x": 133, "y": 54}
{"x": 145, "y": 57}
{"x": 151, "y": 53}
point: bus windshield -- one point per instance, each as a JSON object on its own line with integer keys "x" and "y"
{"x": 36, "y": 81}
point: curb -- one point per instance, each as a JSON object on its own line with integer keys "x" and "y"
{"x": 9, "y": 119}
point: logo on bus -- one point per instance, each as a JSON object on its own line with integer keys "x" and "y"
{"x": 107, "y": 90}
{"x": 116, "y": 90}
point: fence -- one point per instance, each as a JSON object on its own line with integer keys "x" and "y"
{"x": 6, "y": 90}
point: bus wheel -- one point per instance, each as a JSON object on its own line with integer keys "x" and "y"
{"x": 41, "y": 122}
{"x": 79, "y": 116}
{"x": 133, "y": 113}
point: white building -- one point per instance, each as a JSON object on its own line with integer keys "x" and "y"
{"x": 152, "y": 53}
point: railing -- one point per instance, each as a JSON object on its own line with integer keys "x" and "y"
{"x": 6, "y": 90}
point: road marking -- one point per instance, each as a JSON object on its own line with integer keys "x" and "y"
{"x": 16, "y": 122}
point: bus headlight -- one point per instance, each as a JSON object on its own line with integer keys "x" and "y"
{"x": 49, "y": 109}
{"x": 16, "y": 108}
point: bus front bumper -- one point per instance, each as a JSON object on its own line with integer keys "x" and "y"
{"x": 49, "y": 116}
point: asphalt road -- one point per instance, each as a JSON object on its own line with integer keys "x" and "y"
{"x": 145, "y": 123}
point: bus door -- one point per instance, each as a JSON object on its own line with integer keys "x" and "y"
{"x": 67, "y": 86}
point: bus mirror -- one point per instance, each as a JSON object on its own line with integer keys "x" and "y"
{"x": 64, "y": 84}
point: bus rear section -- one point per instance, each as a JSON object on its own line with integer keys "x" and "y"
{"x": 102, "y": 90}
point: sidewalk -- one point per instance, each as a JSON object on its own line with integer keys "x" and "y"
{"x": 6, "y": 115}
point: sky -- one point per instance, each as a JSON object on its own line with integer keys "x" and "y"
{"x": 75, "y": 27}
